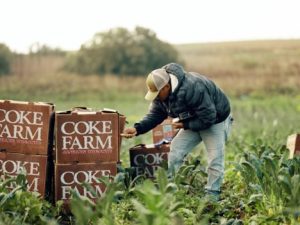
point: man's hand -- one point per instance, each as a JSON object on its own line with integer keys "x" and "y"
{"x": 177, "y": 125}
{"x": 129, "y": 132}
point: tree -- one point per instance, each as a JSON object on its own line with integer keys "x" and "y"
{"x": 45, "y": 50}
{"x": 5, "y": 59}
{"x": 120, "y": 51}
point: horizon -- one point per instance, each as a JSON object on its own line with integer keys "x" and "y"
{"x": 179, "y": 44}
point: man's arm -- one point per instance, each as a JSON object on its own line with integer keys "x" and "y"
{"x": 154, "y": 117}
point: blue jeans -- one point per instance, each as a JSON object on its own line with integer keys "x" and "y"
{"x": 214, "y": 139}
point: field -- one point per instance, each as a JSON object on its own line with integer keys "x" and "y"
{"x": 261, "y": 185}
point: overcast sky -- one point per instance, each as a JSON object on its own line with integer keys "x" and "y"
{"x": 69, "y": 23}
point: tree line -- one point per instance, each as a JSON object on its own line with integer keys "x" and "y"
{"x": 117, "y": 51}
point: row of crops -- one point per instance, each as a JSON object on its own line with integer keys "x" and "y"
{"x": 262, "y": 186}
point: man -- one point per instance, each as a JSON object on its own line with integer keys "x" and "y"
{"x": 202, "y": 113}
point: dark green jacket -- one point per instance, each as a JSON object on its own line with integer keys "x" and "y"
{"x": 194, "y": 94}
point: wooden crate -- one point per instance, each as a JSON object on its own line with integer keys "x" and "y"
{"x": 293, "y": 144}
{"x": 26, "y": 127}
{"x": 87, "y": 136}
{"x": 38, "y": 169}
{"x": 71, "y": 177}
{"x": 146, "y": 159}
{"x": 164, "y": 131}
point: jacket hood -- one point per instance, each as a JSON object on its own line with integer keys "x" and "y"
{"x": 177, "y": 70}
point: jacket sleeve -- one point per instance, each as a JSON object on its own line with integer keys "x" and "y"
{"x": 201, "y": 104}
{"x": 154, "y": 117}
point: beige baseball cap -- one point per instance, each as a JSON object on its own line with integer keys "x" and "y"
{"x": 155, "y": 81}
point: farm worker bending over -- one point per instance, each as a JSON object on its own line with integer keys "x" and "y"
{"x": 202, "y": 113}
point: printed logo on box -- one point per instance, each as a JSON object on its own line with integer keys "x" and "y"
{"x": 148, "y": 163}
{"x": 146, "y": 159}
{"x": 87, "y": 138}
{"x": 25, "y": 127}
{"x": 21, "y": 126}
{"x": 33, "y": 166}
{"x": 86, "y": 135}
{"x": 71, "y": 178}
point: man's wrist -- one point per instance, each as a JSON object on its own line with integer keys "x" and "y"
{"x": 137, "y": 129}
{"x": 185, "y": 125}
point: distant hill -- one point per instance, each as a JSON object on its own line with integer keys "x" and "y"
{"x": 260, "y": 51}
{"x": 272, "y": 65}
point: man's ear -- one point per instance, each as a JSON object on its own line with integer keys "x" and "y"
{"x": 168, "y": 85}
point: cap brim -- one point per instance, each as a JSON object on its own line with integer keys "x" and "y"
{"x": 150, "y": 96}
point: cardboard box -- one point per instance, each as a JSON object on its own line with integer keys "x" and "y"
{"x": 38, "y": 169}
{"x": 145, "y": 159}
{"x": 71, "y": 177}
{"x": 87, "y": 136}
{"x": 164, "y": 131}
{"x": 122, "y": 122}
{"x": 293, "y": 144}
{"x": 26, "y": 127}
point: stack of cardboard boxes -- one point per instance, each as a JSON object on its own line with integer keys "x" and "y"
{"x": 87, "y": 147}
{"x": 26, "y": 134}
